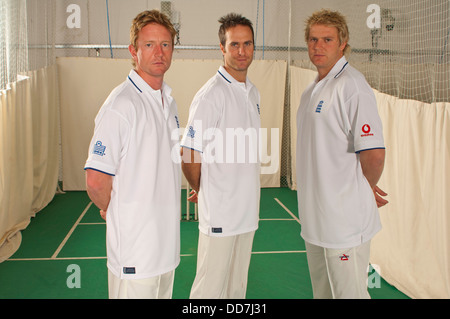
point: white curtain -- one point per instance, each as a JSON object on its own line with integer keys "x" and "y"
{"x": 29, "y": 134}
{"x": 413, "y": 248}
{"x": 29, "y": 141}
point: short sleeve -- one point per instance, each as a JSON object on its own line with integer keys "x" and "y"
{"x": 365, "y": 122}
{"x": 109, "y": 142}
{"x": 204, "y": 115}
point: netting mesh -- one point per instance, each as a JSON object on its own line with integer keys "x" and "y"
{"x": 402, "y": 46}
{"x": 41, "y": 29}
{"x": 408, "y": 55}
{"x": 13, "y": 40}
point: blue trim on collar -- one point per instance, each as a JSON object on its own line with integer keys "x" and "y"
{"x": 341, "y": 70}
{"x": 224, "y": 77}
{"x": 134, "y": 84}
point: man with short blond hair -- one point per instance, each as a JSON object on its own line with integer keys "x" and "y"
{"x": 340, "y": 158}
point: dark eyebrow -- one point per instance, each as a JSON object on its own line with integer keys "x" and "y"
{"x": 236, "y": 42}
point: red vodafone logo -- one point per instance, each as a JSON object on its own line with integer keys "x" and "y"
{"x": 366, "y": 130}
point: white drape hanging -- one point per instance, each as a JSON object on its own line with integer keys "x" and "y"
{"x": 29, "y": 133}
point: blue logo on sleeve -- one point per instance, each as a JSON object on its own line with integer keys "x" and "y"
{"x": 191, "y": 132}
{"x": 99, "y": 149}
{"x": 178, "y": 123}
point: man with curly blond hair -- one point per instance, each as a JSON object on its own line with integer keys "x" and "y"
{"x": 131, "y": 175}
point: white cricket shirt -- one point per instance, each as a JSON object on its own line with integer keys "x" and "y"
{"x": 337, "y": 119}
{"x": 224, "y": 125}
{"x": 136, "y": 141}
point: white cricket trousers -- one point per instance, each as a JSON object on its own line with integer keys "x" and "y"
{"x": 222, "y": 266}
{"x": 339, "y": 273}
{"x": 158, "y": 287}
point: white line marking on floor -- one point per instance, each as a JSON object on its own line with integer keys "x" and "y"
{"x": 54, "y": 259}
{"x": 277, "y": 219}
{"x": 287, "y": 209}
{"x": 70, "y": 232}
{"x": 279, "y": 252}
{"x": 182, "y": 255}
{"x": 71, "y": 258}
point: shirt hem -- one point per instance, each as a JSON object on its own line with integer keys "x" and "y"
{"x": 363, "y": 239}
{"x": 121, "y": 275}
{"x": 208, "y": 232}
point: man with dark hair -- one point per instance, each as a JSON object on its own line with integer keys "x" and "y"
{"x": 232, "y": 20}
{"x": 227, "y": 190}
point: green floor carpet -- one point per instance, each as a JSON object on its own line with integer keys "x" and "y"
{"x": 43, "y": 266}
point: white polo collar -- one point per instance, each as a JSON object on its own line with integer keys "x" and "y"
{"x": 230, "y": 79}
{"x": 143, "y": 86}
{"x": 339, "y": 67}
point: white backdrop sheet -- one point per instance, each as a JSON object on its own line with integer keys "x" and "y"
{"x": 86, "y": 82}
